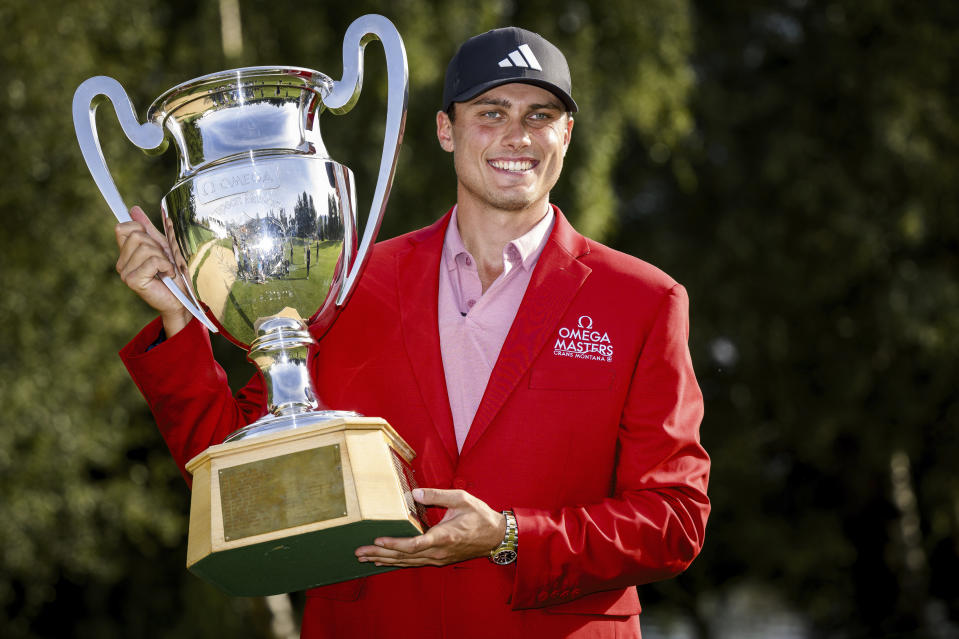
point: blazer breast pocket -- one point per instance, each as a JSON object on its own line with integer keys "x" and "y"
{"x": 571, "y": 378}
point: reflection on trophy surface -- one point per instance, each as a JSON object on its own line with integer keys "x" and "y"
{"x": 244, "y": 225}
{"x": 245, "y": 220}
{"x": 244, "y": 211}
{"x": 261, "y": 223}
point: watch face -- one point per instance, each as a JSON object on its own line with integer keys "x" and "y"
{"x": 504, "y": 557}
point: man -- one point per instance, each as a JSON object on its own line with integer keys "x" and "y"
{"x": 543, "y": 379}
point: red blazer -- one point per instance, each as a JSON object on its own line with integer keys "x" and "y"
{"x": 588, "y": 431}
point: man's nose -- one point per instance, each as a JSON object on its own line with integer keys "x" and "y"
{"x": 516, "y": 135}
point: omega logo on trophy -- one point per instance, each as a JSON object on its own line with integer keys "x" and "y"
{"x": 262, "y": 224}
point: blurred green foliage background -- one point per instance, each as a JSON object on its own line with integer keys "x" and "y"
{"x": 791, "y": 162}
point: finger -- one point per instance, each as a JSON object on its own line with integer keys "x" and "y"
{"x": 384, "y": 556}
{"x": 370, "y": 553}
{"x": 155, "y": 235}
{"x": 439, "y": 497}
{"x": 130, "y": 237}
{"x": 139, "y": 251}
{"x": 123, "y": 230}
{"x": 139, "y": 216}
{"x": 406, "y": 545}
{"x": 393, "y": 546}
{"x": 141, "y": 271}
{"x": 137, "y": 248}
{"x": 410, "y": 562}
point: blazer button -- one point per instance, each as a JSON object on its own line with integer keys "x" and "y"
{"x": 460, "y": 483}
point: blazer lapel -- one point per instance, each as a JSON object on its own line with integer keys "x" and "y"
{"x": 417, "y": 283}
{"x": 557, "y": 277}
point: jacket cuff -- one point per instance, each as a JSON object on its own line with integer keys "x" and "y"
{"x": 154, "y": 370}
{"x": 536, "y": 587}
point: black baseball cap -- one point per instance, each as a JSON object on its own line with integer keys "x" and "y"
{"x": 507, "y": 55}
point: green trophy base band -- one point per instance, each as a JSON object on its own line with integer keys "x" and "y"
{"x": 299, "y": 562}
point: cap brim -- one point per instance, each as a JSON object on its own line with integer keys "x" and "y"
{"x": 474, "y": 91}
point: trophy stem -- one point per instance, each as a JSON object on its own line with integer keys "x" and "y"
{"x": 280, "y": 352}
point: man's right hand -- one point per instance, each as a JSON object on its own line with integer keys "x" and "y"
{"x": 144, "y": 254}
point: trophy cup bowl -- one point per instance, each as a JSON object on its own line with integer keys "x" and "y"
{"x": 262, "y": 225}
{"x": 262, "y": 222}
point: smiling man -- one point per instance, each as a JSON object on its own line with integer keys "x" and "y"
{"x": 543, "y": 379}
{"x": 508, "y": 146}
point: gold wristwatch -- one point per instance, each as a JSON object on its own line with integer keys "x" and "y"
{"x": 505, "y": 553}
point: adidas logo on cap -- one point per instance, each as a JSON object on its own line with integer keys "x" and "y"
{"x": 521, "y": 57}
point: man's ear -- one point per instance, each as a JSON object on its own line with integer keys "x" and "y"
{"x": 444, "y": 131}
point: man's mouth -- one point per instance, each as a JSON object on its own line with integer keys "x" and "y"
{"x": 516, "y": 166}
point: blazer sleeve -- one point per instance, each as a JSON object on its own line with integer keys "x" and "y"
{"x": 652, "y": 526}
{"x": 187, "y": 391}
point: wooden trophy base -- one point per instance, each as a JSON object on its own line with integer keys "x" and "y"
{"x": 284, "y": 512}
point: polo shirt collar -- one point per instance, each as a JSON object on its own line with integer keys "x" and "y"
{"x": 524, "y": 250}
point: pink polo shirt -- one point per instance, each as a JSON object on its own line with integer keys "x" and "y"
{"x": 473, "y": 325}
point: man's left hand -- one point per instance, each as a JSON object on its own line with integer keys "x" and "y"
{"x": 469, "y": 529}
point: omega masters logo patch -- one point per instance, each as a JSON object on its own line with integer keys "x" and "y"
{"x": 584, "y": 342}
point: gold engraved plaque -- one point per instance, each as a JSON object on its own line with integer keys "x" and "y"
{"x": 282, "y": 492}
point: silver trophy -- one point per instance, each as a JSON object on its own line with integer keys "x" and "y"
{"x": 262, "y": 224}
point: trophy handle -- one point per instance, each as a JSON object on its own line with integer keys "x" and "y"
{"x": 148, "y": 136}
{"x": 344, "y": 96}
